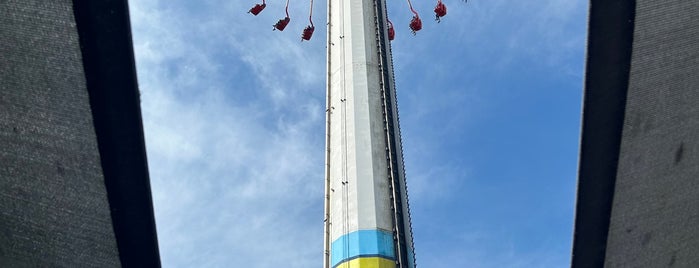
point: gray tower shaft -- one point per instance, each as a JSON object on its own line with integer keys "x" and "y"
{"x": 367, "y": 221}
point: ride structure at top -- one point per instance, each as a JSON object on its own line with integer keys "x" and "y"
{"x": 415, "y": 25}
{"x": 367, "y": 218}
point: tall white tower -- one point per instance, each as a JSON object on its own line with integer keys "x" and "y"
{"x": 367, "y": 220}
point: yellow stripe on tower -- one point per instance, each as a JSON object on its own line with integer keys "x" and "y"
{"x": 370, "y": 262}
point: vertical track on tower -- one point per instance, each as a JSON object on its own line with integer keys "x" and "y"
{"x": 391, "y": 124}
{"x": 326, "y": 220}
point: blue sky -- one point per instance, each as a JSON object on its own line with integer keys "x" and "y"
{"x": 234, "y": 122}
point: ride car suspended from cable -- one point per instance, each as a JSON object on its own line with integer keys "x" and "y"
{"x": 308, "y": 31}
{"x": 415, "y": 24}
{"x": 258, "y": 8}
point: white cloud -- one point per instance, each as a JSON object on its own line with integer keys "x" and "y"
{"x": 235, "y": 178}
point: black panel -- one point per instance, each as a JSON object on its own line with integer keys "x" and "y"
{"x": 105, "y": 38}
{"x": 609, "y": 48}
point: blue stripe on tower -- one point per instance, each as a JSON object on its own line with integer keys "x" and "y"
{"x": 362, "y": 243}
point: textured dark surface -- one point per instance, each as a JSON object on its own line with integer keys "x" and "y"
{"x": 74, "y": 186}
{"x": 610, "y": 38}
{"x": 655, "y": 214}
{"x": 53, "y": 202}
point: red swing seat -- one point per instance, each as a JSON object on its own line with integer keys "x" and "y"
{"x": 308, "y": 32}
{"x": 415, "y": 24}
{"x": 282, "y": 23}
{"x": 257, "y": 9}
{"x": 440, "y": 10}
{"x": 391, "y": 31}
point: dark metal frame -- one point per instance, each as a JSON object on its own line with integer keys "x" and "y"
{"x": 609, "y": 48}
{"x": 110, "y": 72}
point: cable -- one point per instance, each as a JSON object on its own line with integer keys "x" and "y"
{"x": 287, "y": 8}
{"x": 411, "y": 8}
{"x": 310, "y": 16}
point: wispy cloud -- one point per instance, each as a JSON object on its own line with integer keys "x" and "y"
{"x": 233, "y": 161}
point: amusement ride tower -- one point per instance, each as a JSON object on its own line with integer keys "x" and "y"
{"x": 367, "y": 219}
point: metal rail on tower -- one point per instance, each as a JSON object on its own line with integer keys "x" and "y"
{"x": 392, "y": 140}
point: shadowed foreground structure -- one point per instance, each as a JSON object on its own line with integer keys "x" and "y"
{"x": 74, "y": 186}
{"x": 638, "y": 186}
